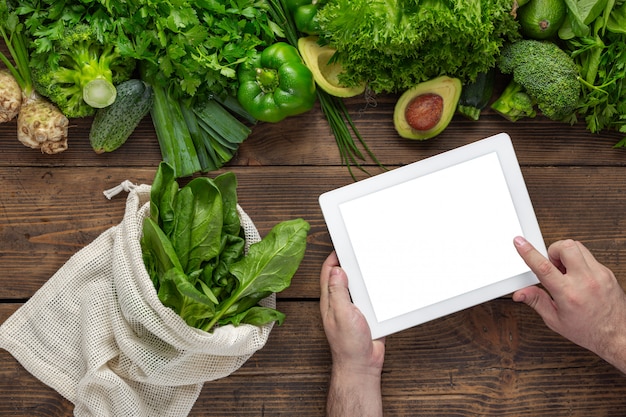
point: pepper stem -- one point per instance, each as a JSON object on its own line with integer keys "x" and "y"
{"x": 267, "y": 79}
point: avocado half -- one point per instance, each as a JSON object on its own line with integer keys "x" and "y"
{"x": 326, "y": 74}
{"x": 444, "y": 91}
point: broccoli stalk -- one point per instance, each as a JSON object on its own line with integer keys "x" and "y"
{"x": 82, "y": 74}
{"x": 546, "y": 73}
{"x": 514, "y": 104}
{"x": 40, "y": 124}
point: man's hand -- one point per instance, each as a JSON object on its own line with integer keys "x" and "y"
{"x": 582, "y": 300}
{"x": 357, "y": 360}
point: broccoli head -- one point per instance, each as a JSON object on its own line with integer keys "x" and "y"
{"x": 514, "y": 103}
{"x": 546, "y": 73}
{"x": 79, "y": 73}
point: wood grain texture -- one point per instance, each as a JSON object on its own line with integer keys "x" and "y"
{"x": 50, "y": 213}
{"x": 496, "y": 359}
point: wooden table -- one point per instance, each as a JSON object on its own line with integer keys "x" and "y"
{"x": 496, "y": 359}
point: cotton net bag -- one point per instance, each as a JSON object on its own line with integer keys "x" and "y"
{"x": 98, "y": 334}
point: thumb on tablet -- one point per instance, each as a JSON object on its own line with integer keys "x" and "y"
{"x": 338, "y": 285}
{"x": 539, "y": 300}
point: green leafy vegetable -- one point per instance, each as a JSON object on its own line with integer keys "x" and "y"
{"x": 333, "y": 108}
{"x": 187, "y": 51}
{"x": 193, "y": 249}
{"x": 268, "y": 266}
{"x": 40, "y": 124}
{"x": 595, "y": 37}
{"x": 394, "y": 45}
{"x": 74, "y": 56}
{"x": 193, "y": 47}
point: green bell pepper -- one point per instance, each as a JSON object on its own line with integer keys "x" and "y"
{"x": 304, "y": 14}
{"x": 276, "y": 84}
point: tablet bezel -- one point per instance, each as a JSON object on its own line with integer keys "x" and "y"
{"x": 330, "y": 204}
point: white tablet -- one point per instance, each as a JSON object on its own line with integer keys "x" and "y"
{"x": 434, "y": 237}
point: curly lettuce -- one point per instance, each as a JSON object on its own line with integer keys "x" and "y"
{"x": 395, "y": 44}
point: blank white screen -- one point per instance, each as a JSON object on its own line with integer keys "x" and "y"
{"x": 435, "y": 237}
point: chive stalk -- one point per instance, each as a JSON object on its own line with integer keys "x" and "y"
{"x": 333, "y": 108}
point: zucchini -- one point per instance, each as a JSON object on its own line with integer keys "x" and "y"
{"x": 475, "y": 96}
{"x": 113, "y": 125}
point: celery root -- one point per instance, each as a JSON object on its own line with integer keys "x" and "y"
{"x": 10, "y": 96}
{"x": 41, "y": 125}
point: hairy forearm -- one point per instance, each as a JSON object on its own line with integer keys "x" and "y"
{"x": 354, "y": 395}
{"x": 614, "y": 351}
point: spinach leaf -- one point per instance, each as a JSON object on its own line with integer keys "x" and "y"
{"x": 617, "y": 20}
{"x": 181, "y": 232}
{"x": 158, "y": 249}
{"x": 227, "y": 184}
{"x": 193, "y": 249}
{"x": 205, "y": 223}
{"x": 270, "y": 264}
{"x": 257, "y": 315}
{"x": 580, "y": 16}
{"x": 162, "y": 194}
{"x": 233, "y": 247}
{"x": 183, "y": 297}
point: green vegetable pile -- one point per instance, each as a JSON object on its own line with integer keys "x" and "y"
{"x": 193, "y": 248}
{"x": 187, "y": 51}
{"x": 189, "y": 48}
{"x": 40, "y": 124}
{"x": 578, "y": 73}
{"x": 594, "y": 34}
{"x": 347, "y": 136}
{"x": 395, "y": 45}
{"x": 73, "y": 57}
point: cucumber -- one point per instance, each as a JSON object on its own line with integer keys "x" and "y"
{"x": 113, "y": 125}
{"x": 475, "y": 96}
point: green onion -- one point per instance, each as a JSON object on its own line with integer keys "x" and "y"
{"x": 339, "y": 119}
{"x": 175, "y": 141}
{"x": 197, "y": 136}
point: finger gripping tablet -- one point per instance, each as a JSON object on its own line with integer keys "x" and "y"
{"x": 434, "y": 237}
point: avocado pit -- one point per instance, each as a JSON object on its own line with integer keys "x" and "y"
{"x": 424, "y": 111}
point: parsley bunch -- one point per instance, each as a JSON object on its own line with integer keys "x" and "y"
{"x": 188, "y": 47}
{"x": 595, "y": 37}
{"x": 192, "y": 47}
{"x": 603, "y": 102}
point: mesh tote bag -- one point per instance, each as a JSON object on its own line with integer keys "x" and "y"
{"x": 98, "y": 334}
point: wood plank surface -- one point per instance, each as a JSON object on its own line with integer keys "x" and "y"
{"x": 41, "y": 218}
{"x": 496, "y": 359}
